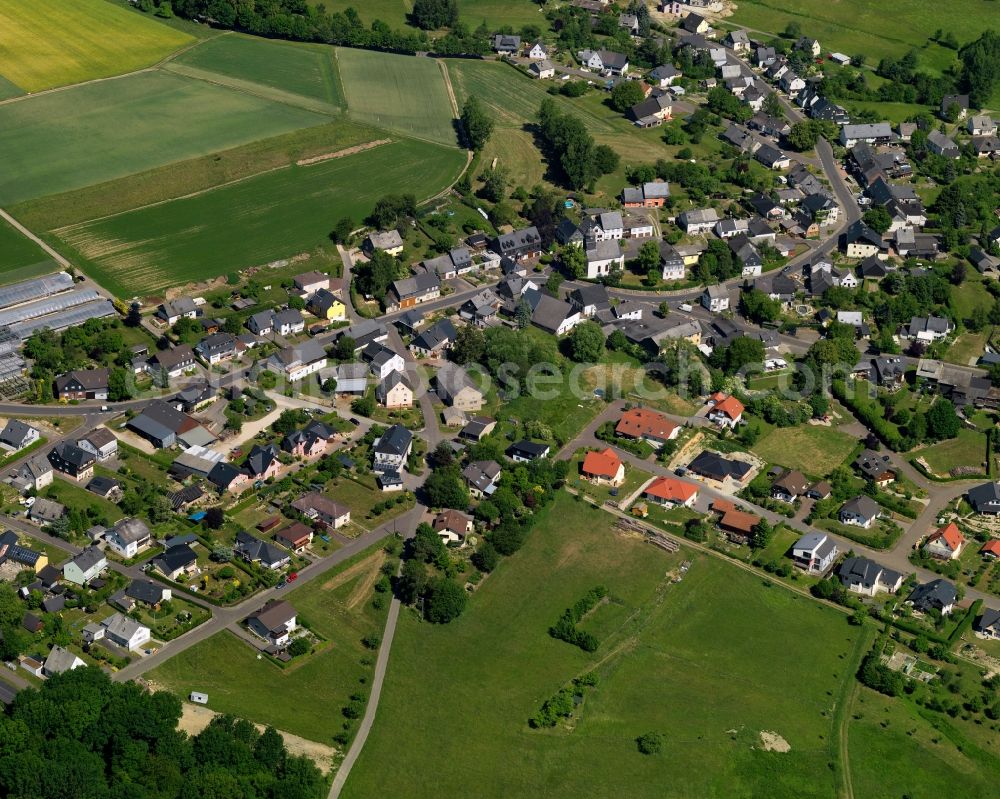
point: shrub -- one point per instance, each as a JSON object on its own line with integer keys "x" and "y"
{"x": 651, "y": 743}
{"x": 300, "y": 646}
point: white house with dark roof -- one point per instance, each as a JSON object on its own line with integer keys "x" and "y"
{"x": 17, "y": 435}
{"x": 125, "y": 632}
{"x": 865, "y": 576}
{"x": 815, "y": 553}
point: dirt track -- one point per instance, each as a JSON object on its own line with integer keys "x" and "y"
{"x": 358, "y": 148}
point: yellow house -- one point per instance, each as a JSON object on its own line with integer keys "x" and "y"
{"x": 326, "y": 305}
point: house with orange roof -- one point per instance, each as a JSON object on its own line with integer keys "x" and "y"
{"x": 991, "y": 549}
{"x": 603, "y": 468}
{"x": 670, "y": 491}
{"x": 726, "y": 410}
{"x": 646, "y": 425}
{"x": 736, "y": 523}
{"x": 945, "y": 543}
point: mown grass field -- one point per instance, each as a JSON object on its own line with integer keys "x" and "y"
{"x": 93, "y": 133}
{"x": 968, "y": 448}
{"x": 305, "y": 698}
{"x": 496, "y": 13}
{"x": 811, "y": 449}
{"x": 49, "y": 43}
{"x": 706, "y": 662}
{"x": 292, "y": 72}
{"x": 401, "y": 93}
{"x": 889, "y": 28}
{"x": 252, "y": 222}
{"x": 20, "y": 258}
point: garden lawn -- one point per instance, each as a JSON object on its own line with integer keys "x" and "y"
{"x": 306, "y": 697}
{"x": 856, "y": 26}
{"x": 253, "y": 222}
{"x": 285, "y": 71}
{"x": 811, "y": 449}
{"x": 706, "y": 662}
{"x": 968, "y": 448}
{"x": 21, "y": 258}
{"x": 93, "y": 133}
{"x": 76, "y": 496}
{"x": 50, "y": 43}
{"x": 398, "y": 92}
{"x": 972, "y": 294}
{"x": 968, "y": 348}
{"x": 362, "y": 498}
{"x": 633, "y": 479}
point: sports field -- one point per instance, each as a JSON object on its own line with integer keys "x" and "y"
{"x": 302, "y": 71}
{"x": 20, "y": 258}
{"x": 255, "y": 221}
{"x": 402, "y": 93}
{"x": 888, "y": 28}
{"x": 47, "y": 43}
{"x": 89, "y": 134}
{"x": 706, "y": 662}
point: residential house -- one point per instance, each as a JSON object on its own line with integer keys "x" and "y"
{"x": 747, "y": 254}
{"x": 991, "y": 549}
{"x": 309, "y": 442}
{"x": 737, "y": 524}
{"x": 939, "y": 595}
{"x": 738, "y": 41}
{"x": 72, "y": 461}
{"x": 789, "y": 487}
{"x": 940, "y": 144}
{"x": 389, "y": 241}
{"x": 698, "y": 220}
{"x": 382, "y": 361}
{"x": 506, "y": 44}
{"x": 86, "y": 566}
{"x": 714, "y": 466}
{"x": 253, "y": 550}
{"x": 519, "y": 245}
{"x": 100, "y": 442}
{"x": 715, "y": 298}
{"x": 453, "y": 526}
{"x": 216, "y": 348}
{"x": 83, "y": 384}
{"x": 275, "y": 622}
{"x": 173, "y": 311}
{"x": 929, "y": 328}
{"x": 456, "y": 389}
{"x": 988, "y": 624}
{"x": 433, "y": 341}
{"x": 603, "y": 258}
{"x": 772, "y": 157}
{"x": 603, "y": 468}
{"x": 860, "y": 241}
{"x": 46, "y": 511}
{"x": 649, "y": 195}
{"x": 33, "y": 474}
{"x": 172, "y": 363}
{"x": 327, "y": 305}
{"x": 148, "y": 592}
{"x": 866, "y": 577}
{"x": 671, "y": 491}
{"x": 695, "y": 23}
{"x": 869, "y": 133}
{"x": 550, "y": 314}
{"x": 945, "y": 543}
{"x": 392, "y": 449}
{"x": 319, "y": 508}
{"x": 479, "y": 310}
{"x": 815, "y": 553}
{"x": 482, "y": 478}
{"x": 176, "y": 561}
{"x": 298, "y": 362}
{"x": 526, "y": 451}
{"x": 11, "y": 552}
{"x": 590, "y": 300}
{"x": 664, "y": 75}
{"x": 727, "y": 228}
{"x": 985, "y": 498}
{"x": 450, "y": 265}
{"x": 262, "y": 462}
{"x": 604, "y": 61}
{"x": 652, "y": 111}
{"x": 981, "y": 125}
{"x": 960, "y": 103}
{"x": 164, "y": 426}
{"x": 672, "y": 263}
{"x": 226, "y": 477}
{"x": 808, "y": 45}
{"x": 308, "y": 283}
{"x": 260, "y": 323}
{"x": 650, "y": 426}
{"x": 411, "y": 291}
{"x": 128, "y": 537}
{"x": 876, "y": 467}
{"x": 125, "y": 632}
{"x": 395, "y": 391}
{"x": 16, "y": 435}
{"x": 352, "y": 378}
{"x": 295, "y": 537}
{"x": 60, "y": 660}
{"x": 538, "y": 52}
{"x": 862, "y": 511}
{"x": 725, "y": 410}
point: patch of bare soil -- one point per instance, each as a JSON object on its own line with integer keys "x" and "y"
{"x": 358, "y": 148}
{"x": 772, "y": 742}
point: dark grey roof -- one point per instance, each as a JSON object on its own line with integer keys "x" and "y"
{"x": 145, "y": 591}
{"x": 528, "y": 449}
{"x": 15, "y": 432}
{"x": 863, "y": 506}
{"x": 985, "y": 497}
{"x": 176, "y": 557}
{"x": 713, "y": 465}
{"x": 72, "y": 454}
{"x": 394, "y": 441}
{"x": 935, "y": 594}
{"x": 223, "y": 474}
{"x": 866, "y": 572}
{"x": 441, "y": 332}
{"x": 255, "y": 549}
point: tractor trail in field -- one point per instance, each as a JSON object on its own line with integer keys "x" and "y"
{"x": 358, "y": 148}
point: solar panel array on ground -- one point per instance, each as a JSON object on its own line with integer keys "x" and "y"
{"x": 36, "y": 288}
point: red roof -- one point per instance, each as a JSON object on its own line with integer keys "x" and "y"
{"x": 991, "y": 547}
{"x": 733, "y": 518}
{"x": 639, "y": 422}
{"x": 950, "y": 535}
{"x": 727, "y": 405}
{"x": 672, "y": 490}
{"x": 602, "y": 464}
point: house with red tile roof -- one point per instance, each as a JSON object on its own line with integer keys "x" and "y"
{"x": 649, "y": 426}
{"x": 991, "y": 549}
{"x": 726, "y": 410}
{"x": 603, "y": 468}
{"x": 670, "y": 491}
{"x": 736, "y": 523}
{"x": 945, "y": 543}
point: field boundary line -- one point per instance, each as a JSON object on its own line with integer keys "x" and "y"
{"x": 59, "y": 259}
{"x": 357, "y": 148}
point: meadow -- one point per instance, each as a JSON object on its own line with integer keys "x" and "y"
{"x": 48, "y": 43}
{"x": 294, "y": 73}
{"x": 397, "y": 92}
{"x": 811, "y": 449}
{"x": 496, "y": 13}
{"x": 21, "y": 258}
{"x": 93, "y": 133}
{"x": 705, "y": 662}
{"x": 306, "y": 697}
{"x": 252, "y": 222}
{"x": 877, "y": 30}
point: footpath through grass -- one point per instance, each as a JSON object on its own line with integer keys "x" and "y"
{"x": 47, "y": 43}
{"x": 706, "y": 662}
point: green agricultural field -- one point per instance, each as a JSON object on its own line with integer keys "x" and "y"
{"x": 402, "y": 93}
{"x": 50, "y": 43}
{"x": 21, "y": 258}
{"x": 306, "y": 697}
{"x": 89, "y": 134}
{"x": 496, "y": 13}
{"x": 706, "y": 662}
{"x": 252, "y": 222}
{"x": 811, "y": 449}
{"x": 8, "y": 89}
{"x": 857, "y": 26}
{"x": 293, "y": 71}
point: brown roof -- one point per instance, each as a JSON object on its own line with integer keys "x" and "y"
{"x": 639, "y": 422}
{"x": 316, "y": 501}
{"x": 792, "y": 482}
{"x": 295, "y": 534}
{"x": 99, "y": 437}
{"x": 453, "y": 520}
{"x": 275, "y": 614}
